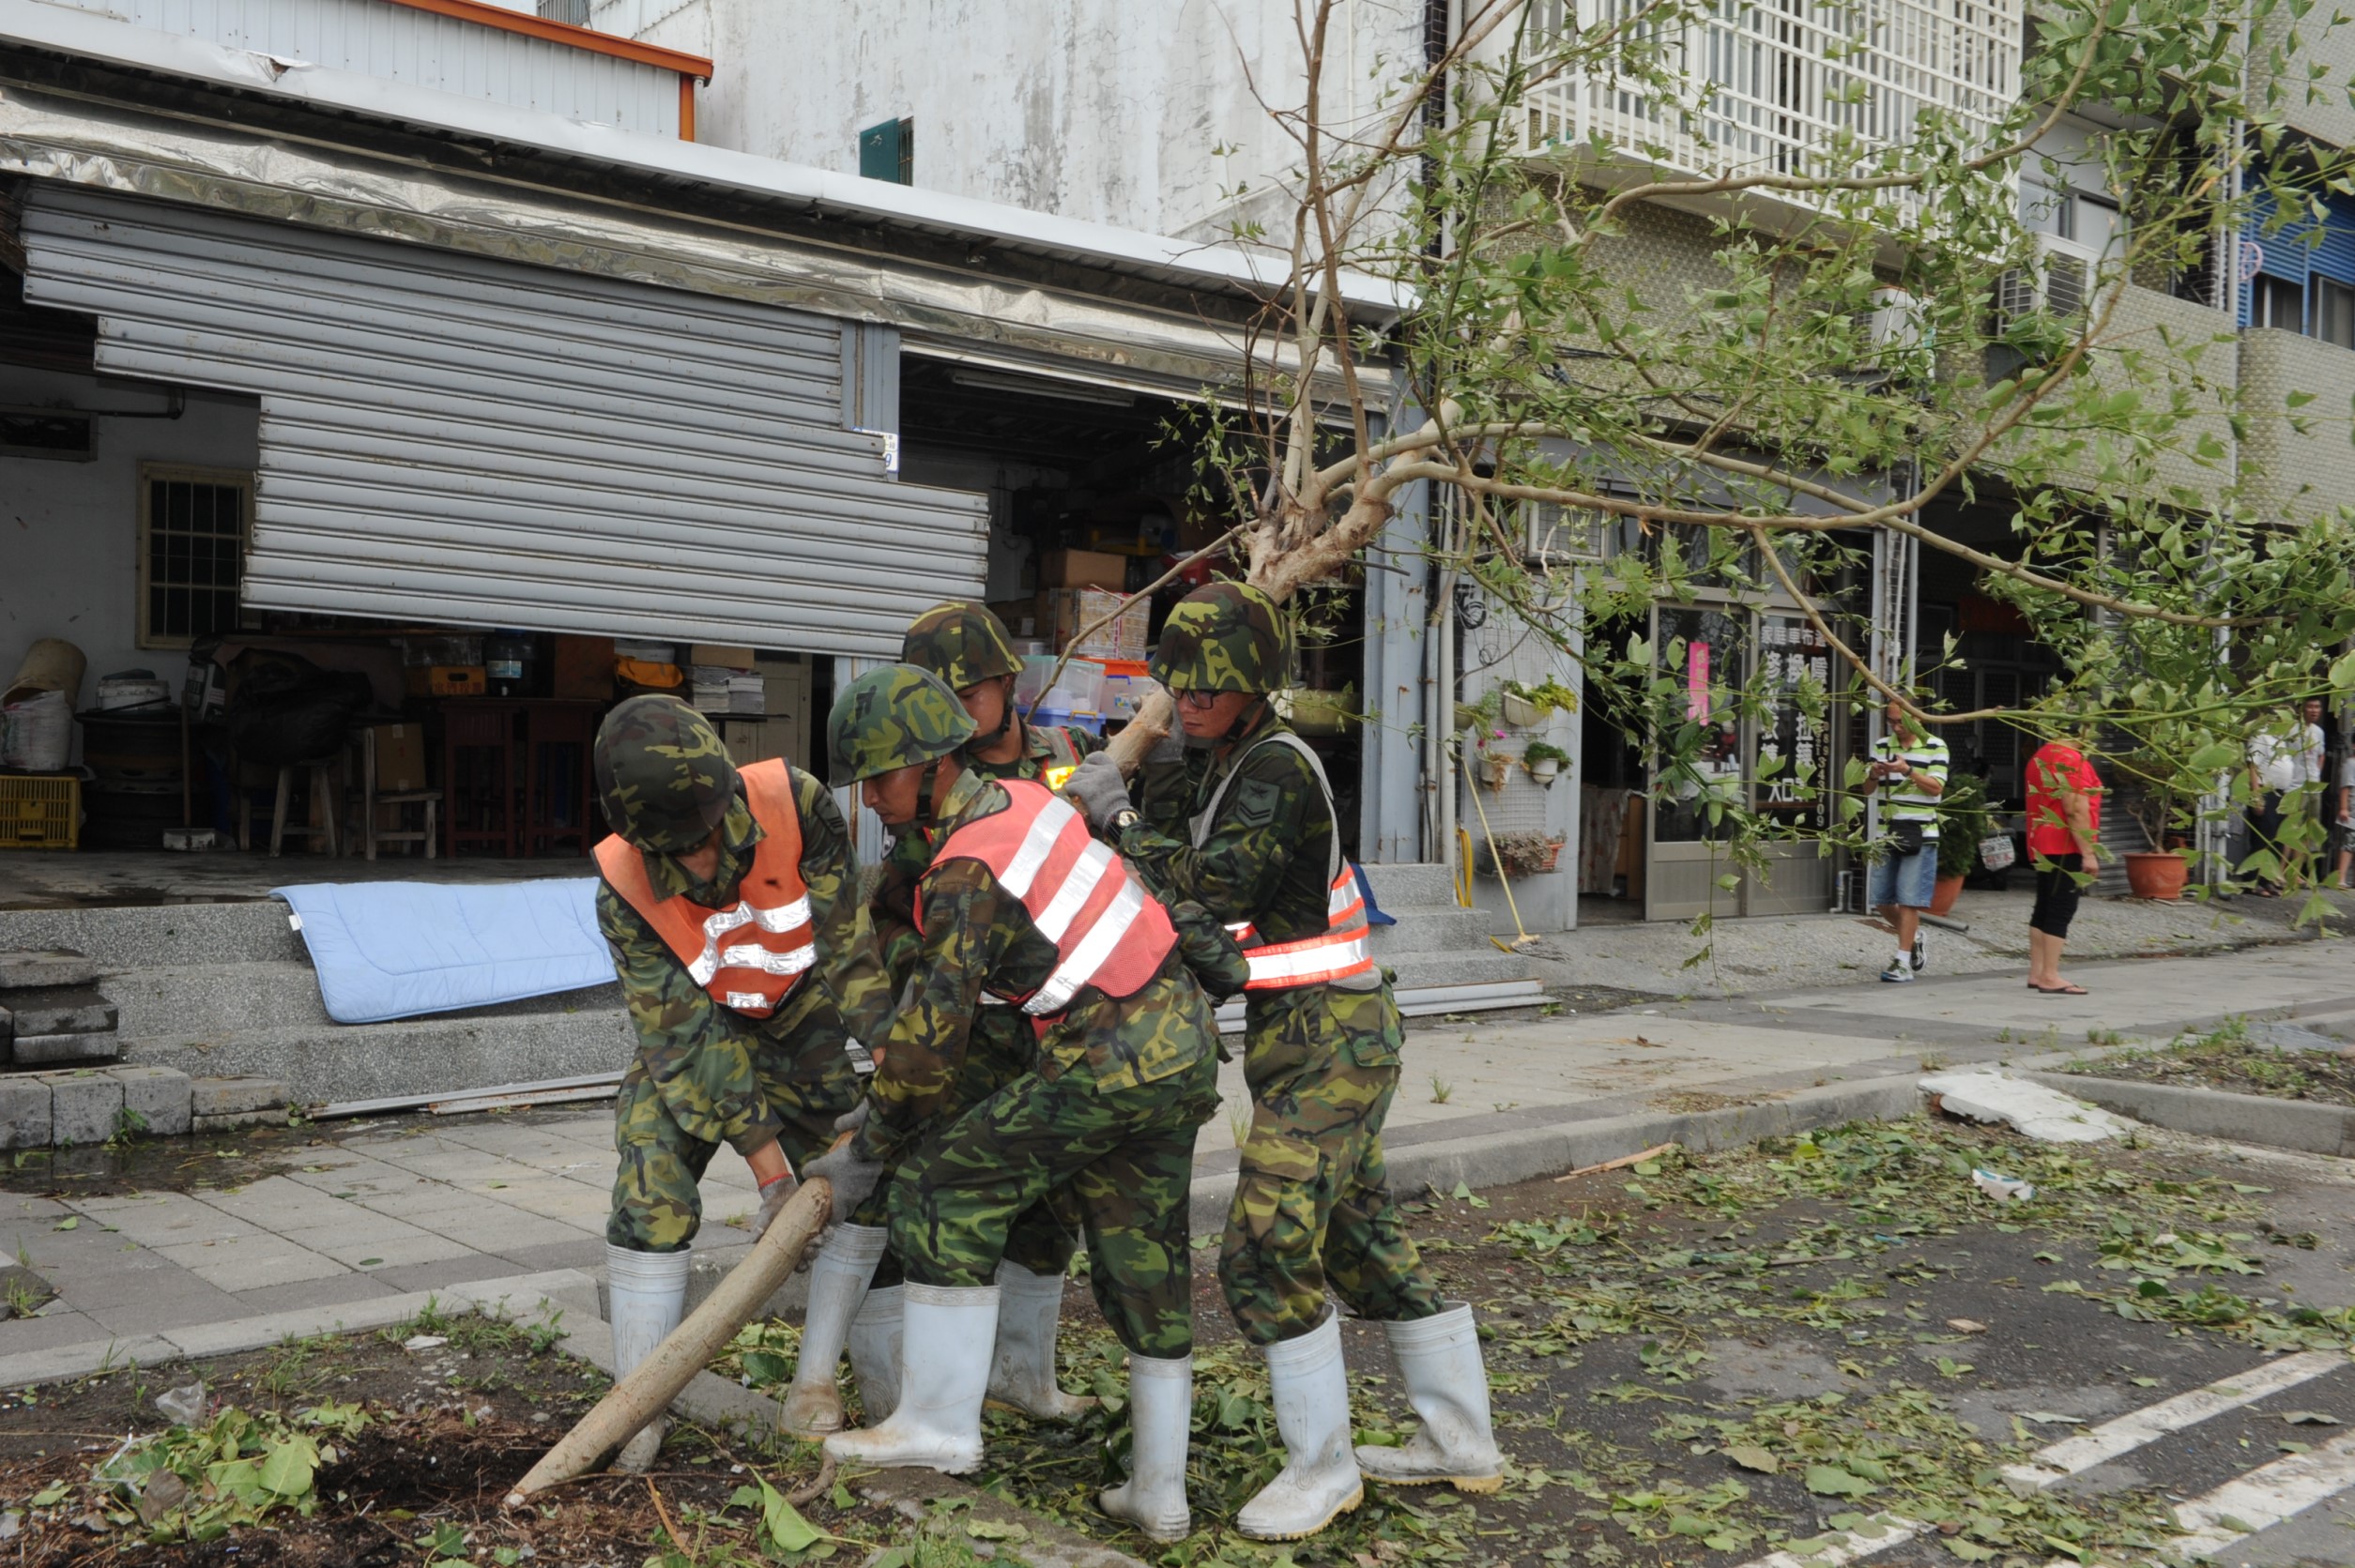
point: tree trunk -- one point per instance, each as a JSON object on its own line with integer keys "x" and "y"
{"x": 645, "y": 1392}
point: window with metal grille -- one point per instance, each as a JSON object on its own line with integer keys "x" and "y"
{"x": 573, "y": 11}
{"x": 192, "y": 552}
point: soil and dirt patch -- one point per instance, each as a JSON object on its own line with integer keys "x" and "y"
{"x": 2231, "y": 1060}
{"x": 399, "y": 1447}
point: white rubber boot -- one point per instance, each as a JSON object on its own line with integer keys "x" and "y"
{"x": 1319, "y": 1482}
{"x": 837, "y": 1286}
{"x": 1161, "y": 1417}
{"x": 875, "y": 1352}
{"x": 944, "y": 1375}
{"x": 646, "y": 1294}
{"x": 1022, "y": 1374}
{"x": 1439, "y": 1357}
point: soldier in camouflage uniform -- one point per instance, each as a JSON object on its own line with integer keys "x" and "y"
{"x": 967, "y": 646}
{"x": 1019, "y": 906}
{"x": 768, "y": 1081}
{"x": 1245, "y": 825}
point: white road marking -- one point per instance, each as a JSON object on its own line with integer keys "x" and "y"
{"x": 2058, "y": 1461}
{"x": 2074, "y": 1456}
{"x": 2264, "y": 1498}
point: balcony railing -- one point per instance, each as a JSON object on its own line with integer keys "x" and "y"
{"x": 1784, "y": 86}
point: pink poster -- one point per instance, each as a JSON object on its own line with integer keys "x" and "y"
{"x": 1697, "y": 681}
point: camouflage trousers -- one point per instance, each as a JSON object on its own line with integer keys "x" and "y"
{"x": 807, "y": 1080}
{"x": 1000, "y": 1048}
{"x": 1312, "y": 1205}
{"x": 1127, "y": 1155}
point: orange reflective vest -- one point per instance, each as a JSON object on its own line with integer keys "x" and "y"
{"x": 1343, "y": 948}
{"x": 750, "y": 955}
{"x": 1107, "y": 931}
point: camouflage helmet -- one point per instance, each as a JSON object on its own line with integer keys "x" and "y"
{"x": 962, "y": 643}
{"x": 894, "y": 717}
{"x": 1225, "y": 637}
{"x": 662, "y": 774}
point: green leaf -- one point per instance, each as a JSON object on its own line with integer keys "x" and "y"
{"x": 1830, "y": 1481}
{"x": 50, "y": 1495}
{"x": 1752, "y": 1457}
{"x": 69, "y": 1222}
{"x": 288, "y": 1467}
{"x": 783, "y": 1523}
{"x": 1969, "y": 1550}
{"x": 767, "y": 1366}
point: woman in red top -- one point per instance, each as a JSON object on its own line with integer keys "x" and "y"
{"x": 2065, "y": 844}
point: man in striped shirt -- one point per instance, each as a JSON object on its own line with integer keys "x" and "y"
{"x": 1910, "y": 770}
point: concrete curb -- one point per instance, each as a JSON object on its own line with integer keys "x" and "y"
{"x": 2256, "y": 1119}
{"x": 232, "y": 1335}
{"x": 1498, "y": 1159}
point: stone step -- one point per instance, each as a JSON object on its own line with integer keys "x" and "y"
{"x": 56, "y": 1010}
{"x": 134, "y": 937}
{"x": 1415, "y": 886}
{"x": 63, "y": 1050}
{"x": 1437, "y": 929}
{"x": 1443, "y": 970}
{"x": 33, "y": 966}
{"x": 194, "y": 999}
{"x": 438, "y": 1055}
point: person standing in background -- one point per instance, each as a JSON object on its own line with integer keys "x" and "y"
{"x": 2064, "y": 845}
{"x": 2347, "y": 819}
{"x": 2285, "y": 777}
{"x": 1910, "y": 766}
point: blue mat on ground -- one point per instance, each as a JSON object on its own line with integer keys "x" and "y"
{"x": 395, "y": 949}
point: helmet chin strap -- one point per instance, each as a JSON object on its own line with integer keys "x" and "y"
{"x": 923, "y": 793}
{"x": 1006, "y": 720}
{"x": 1244, "y": 723}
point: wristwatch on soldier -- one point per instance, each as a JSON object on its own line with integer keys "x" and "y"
{"x": 1124, "y": 819}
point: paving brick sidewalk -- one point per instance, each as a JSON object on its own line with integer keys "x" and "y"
{"x": 364, "y": 1213}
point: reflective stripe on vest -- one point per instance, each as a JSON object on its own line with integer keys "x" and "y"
{"x": 749, "y": 955}
{"x": 1344, "y": 946}
{"x": 1080, "y": 895}
{"x": 1341, "y": 949}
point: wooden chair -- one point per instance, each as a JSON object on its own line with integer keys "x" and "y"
{"x": 370, "y": 831}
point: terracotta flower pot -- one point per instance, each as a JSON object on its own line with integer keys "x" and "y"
{"x": 2157, "y": 875}
{"x": 1942, "y": 897}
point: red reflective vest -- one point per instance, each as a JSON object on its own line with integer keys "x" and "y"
{"x": 747, "y": 956}
{"x": 1107, "y": 931}
{"x": 1343, "y": 948}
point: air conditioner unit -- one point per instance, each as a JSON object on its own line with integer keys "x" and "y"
{"x": 1893, "y": 324}
{"x": 2061, "y": 284}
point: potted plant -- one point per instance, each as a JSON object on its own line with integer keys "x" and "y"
{"x": 1495, "y": 767}
{"x": 1964, "y": 821}
{"x": 1525, "y": 854}
{"x": 2157, "y": 871}
{"x": 1526, "y": 707}
{"x": 1545, "y": 761}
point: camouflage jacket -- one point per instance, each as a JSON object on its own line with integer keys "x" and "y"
{"x": 699, "y": 1053}
{"x": 911, "y": 852}
{"x": 978, "y": 938}
{"x": 1267, "y": 859}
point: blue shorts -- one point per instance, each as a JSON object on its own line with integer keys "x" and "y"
{"x": 1909, "y": 880}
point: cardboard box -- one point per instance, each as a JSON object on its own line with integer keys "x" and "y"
{"x": 726, "y": 655}
{"x": 1020, "y": 618}
{"x": 1082, "y": 568}
{"x": 760, "y": 739}
{"x": 581, "y": 668}
{"x": 1069, "y": 609}
{"x": 400, "y": 757}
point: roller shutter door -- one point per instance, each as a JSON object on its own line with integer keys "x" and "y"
{"x": 451, "y": 438}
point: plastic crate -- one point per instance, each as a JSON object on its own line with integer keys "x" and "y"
{"x": 39, "y": 811}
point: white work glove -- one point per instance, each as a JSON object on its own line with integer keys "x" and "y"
{"x": 1096, "y": 789}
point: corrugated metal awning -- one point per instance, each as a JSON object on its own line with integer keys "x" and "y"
{"x": 447, "y": 437}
